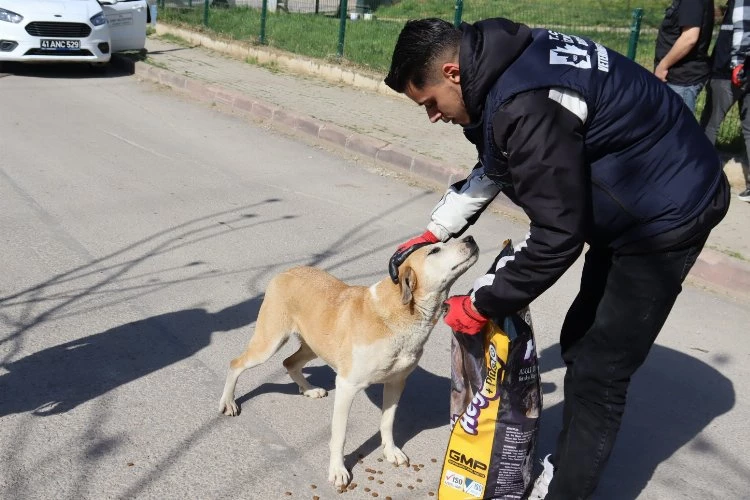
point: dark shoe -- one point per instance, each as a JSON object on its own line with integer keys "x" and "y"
{"x": 745, "y": 195}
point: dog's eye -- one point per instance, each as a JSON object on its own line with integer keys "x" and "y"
{"x": 434, "y": 250}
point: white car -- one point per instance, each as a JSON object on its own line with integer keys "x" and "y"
{"x": 70, "y": 30}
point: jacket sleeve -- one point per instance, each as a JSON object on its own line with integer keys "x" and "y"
{"x": 462, "y": 204}
{"x": 541, "y": 131}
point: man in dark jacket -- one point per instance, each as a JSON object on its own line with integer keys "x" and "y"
{"x": 596, "y": 150}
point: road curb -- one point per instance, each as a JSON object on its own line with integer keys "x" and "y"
{"x": 714, "y": 269}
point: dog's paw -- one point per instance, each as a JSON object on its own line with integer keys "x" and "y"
{"x": 315, "y": 392}
{"x": 229, "y": 408}
{"x": 338, "y": 475}
{"x": 395, "y": 456}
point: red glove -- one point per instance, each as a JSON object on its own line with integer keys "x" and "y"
{"x": 405, "y": 249}
{"x": 462, "y": 317}
{"x": 738, "y": 76}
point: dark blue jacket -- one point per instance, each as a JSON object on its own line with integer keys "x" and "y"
{"x": 637, "y": 175}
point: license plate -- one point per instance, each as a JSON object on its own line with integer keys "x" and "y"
{"x": 60, "y": 44}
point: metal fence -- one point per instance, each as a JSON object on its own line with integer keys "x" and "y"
{"x": 367, "y": 30}
{"x": 364, "y": 32}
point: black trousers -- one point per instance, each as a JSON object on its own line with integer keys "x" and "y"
{"x": 622, "y": 305}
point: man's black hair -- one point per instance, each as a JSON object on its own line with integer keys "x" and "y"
{"x": 420, "y": 45}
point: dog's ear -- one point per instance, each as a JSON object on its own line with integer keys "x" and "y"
{"x": 408, "y": 282}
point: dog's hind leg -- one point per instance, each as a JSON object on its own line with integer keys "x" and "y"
{"x": 264, "y": 344}
{"x": 294, "y": 365}
{"x": 391, "y": 394}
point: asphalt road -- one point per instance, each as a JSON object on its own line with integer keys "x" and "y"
{"x": 138, "y": 232}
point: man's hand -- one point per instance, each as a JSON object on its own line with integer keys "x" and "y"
{"x": 462, "y": 317}
{"x": 661, "y": 73}
{"x": 739, "y": 78}
{"x": 405, "y": 249}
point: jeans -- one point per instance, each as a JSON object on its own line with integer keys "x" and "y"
{"x": 689, "y": 93}
{"x": 720, "y": 97}
{"x": 622, "y": 305}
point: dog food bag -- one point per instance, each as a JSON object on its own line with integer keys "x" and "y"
{"x": 495, "y": 405}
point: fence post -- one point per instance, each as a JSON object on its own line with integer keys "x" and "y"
{"x": 459, "y": 12}
{"x": 635, "y": 31}
{"x": 263, "y": 15}
{"x": 342, "y": 28}
{"x": 205, "y": 12}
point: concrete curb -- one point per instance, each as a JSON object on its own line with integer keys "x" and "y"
{"x": 713, "y": 269}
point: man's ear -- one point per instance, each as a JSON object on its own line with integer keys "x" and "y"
{"x": 451, "y": 72}
{"x": 408, "y": 282}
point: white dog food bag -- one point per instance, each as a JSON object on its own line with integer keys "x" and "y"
{"x": 496, "y": 401}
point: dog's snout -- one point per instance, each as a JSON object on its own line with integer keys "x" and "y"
{"x": 469, "y": 239}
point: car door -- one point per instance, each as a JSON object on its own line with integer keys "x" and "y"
{"x": 127, "y": 23}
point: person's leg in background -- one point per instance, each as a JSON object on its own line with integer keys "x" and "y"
{"x": 639, "y": 292}
{"x": 745, "y": 122}
{"x": 719, "y": 99}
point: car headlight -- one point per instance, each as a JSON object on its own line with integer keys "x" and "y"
{"x": 10, "y": 17}
{"x": 99, "y": 19}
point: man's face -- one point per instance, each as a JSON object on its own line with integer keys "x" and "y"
{"x": 441, "y": 97}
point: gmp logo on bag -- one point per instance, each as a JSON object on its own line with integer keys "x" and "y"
{"x": 473, "y": 488}
{"x": 458, "y": 459}
{"x": 454, "y": 480}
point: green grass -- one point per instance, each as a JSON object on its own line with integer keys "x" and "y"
{"x": 369, "y": 44}
{"x": 611, "y": 13}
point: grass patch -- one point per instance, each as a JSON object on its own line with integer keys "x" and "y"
{"x": 177, "y": 40}
{"x": 271, "y": 66}
{"x": 604, "y": 13}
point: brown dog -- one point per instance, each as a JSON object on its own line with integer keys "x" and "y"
{"x": 367, "y": 335}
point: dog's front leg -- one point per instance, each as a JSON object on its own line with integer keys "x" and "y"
{"x": 391, "y": 394}
{"x": 345, "y": 392}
